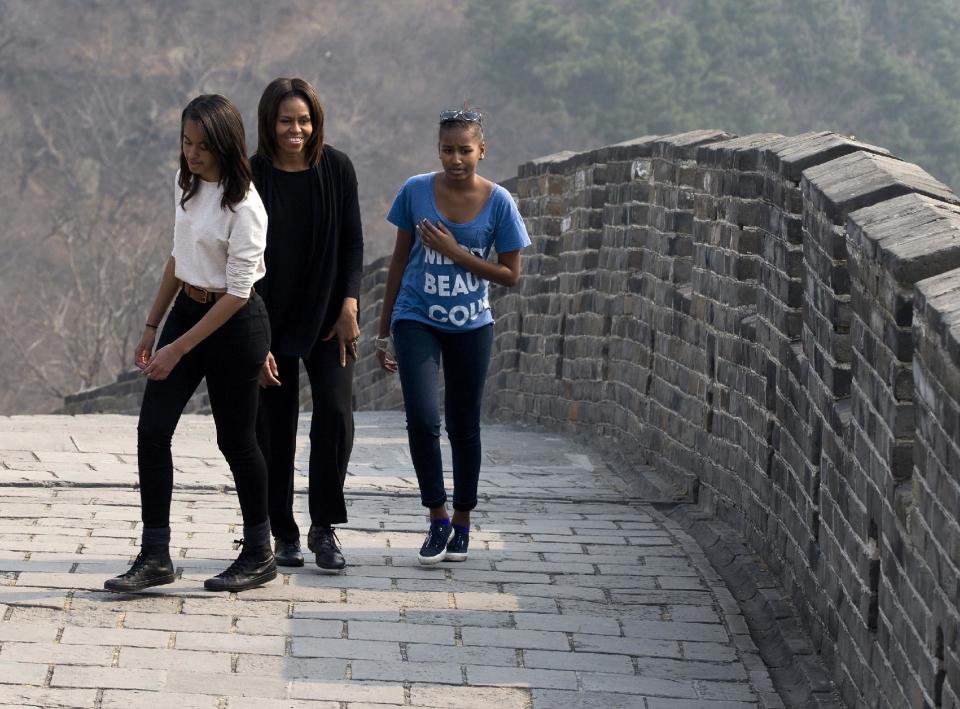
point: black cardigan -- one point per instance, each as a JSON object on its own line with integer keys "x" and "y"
{"x": 302, "y": 310}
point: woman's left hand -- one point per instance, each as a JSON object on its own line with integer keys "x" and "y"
{"x": 346, "y": 330}
{"x": 162, "y": 362}
{"x": 438, "y": 237}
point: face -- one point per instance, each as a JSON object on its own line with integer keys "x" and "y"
{"x": 200, "y": 160}
{"x": 460, "y": 151}
{"x": 294, "y": 126}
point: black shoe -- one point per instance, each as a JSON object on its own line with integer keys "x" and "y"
{"x": 323, "y": 542}
{"x": 288, "y": 553}
{"x": 434, "y": 549}
{"x": 253, "y": 567}
{"x": 457, "y": 547}
{"x": 152, "y": 567}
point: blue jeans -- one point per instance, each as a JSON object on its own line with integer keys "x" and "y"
{"x": 466, "y": 356}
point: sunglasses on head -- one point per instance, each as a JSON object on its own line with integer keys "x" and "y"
{"x": 459, "y": 115}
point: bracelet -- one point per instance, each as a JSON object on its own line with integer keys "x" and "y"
{"x": 152, "y": 327}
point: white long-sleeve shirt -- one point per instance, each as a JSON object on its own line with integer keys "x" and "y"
{"x": 218, "y": 249}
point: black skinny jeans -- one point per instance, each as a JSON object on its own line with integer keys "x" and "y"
{"x": 230, "y": 358}
{"x": 331, "y": 437}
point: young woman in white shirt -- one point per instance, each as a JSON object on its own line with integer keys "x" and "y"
{"x": 217, "y": 329}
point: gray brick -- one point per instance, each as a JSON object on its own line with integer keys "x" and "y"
{"x": 593, "y": 662}
{"x": 497, "y": 637}
{"x": 520, "y": 677}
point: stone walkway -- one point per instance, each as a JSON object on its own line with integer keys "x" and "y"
{"x": 575, "y": 594}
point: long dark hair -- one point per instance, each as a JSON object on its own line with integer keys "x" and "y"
{"x": 225, "y": 139}
{"x": 276, "y": 92}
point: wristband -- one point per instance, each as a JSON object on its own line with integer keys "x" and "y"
{"x": 381, "y": 344}
{"x": 152, "y": 327}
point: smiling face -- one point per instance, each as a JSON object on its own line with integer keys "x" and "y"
{"x": 200, "y": 160}
{"x": 293, "y": 130}
{"x": 460, "y": 151}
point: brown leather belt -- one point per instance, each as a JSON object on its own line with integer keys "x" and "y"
{"x": 201, "y": 295}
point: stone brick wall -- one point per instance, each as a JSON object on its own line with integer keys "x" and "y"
{"x": 773, "y": 323}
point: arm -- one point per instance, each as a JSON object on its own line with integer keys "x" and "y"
{"x": 169, "y": 285}
{"x": 398, "y": 264}
{"x": 166, "y": 358}
{"x": 506, "y": 272}
{"x": 350, "y": 268}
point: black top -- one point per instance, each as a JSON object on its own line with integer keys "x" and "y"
{"x": 314, "y": 253}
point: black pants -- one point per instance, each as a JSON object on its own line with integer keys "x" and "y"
{"x": 230, "y": 358}
{"x": 331, "y": 437}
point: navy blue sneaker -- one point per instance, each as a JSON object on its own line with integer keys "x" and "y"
{"x": 434, "y": 549}
{"x": 457, "y": 547}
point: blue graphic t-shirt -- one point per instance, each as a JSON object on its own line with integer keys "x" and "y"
{"x": 435, "y": 290}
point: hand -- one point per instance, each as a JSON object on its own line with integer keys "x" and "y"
{"x": 347, "y": 331}
{"x": 438, "y": 237}
{"x": 269, "y": 375}
{"x": 144, "y": 348}
{"x": 162, "y": 362}
{"x": 387, "y": 363}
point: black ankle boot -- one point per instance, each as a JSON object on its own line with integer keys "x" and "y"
{"x": 323, "y": 542}
{"x": 254, "y": 566}
{"x": 152, "y": 567}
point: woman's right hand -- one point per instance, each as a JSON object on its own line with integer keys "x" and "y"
{"x": 387, "y": 363}
{"x": 269, "y": 374}
{"x": 144, "y": 348}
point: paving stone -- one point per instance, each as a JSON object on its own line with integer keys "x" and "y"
{"x": 401, "y": 632}
{"x": 292, "y": 667}
{"x": 173, "y": 622}
{"x": 435, "y": 672}
{"x": 626, "y": 646}
{"x": 521, "y": 677}
{"x": 498, "y": 637}
{"x": 177, "y": 660}
{"x": 56, "y": 654}
{"x": 336, "y": 647}
{"x": 468, "y": 697}
{"x": 562, "y": 699}
{"x": 261, "y": 703}
{"x": 47, "y": 697}
{"x": 464, "y": 655}
{"x": 115, "y": 636}
{"x": 375, "y": 692}
{"x": 26, "y": 633}
{"x": 675, "y": 630}
{"x": 131, "y": 699}
{"x": 22, "y": 672}
{"x": 290, "y": 626}
{"x": 108, "y": 677}
{"x": 231, "y": 642}
{"x": 480, "y": 619}
{"x": 647, "y": 686}
{"x": 593, "y": 662}
{"x": 567, "y": 623}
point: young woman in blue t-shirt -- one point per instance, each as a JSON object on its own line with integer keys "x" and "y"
{"x": 435, "y": 305}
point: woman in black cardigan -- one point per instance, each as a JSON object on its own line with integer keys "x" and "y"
{"x": 314, "y": 261}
